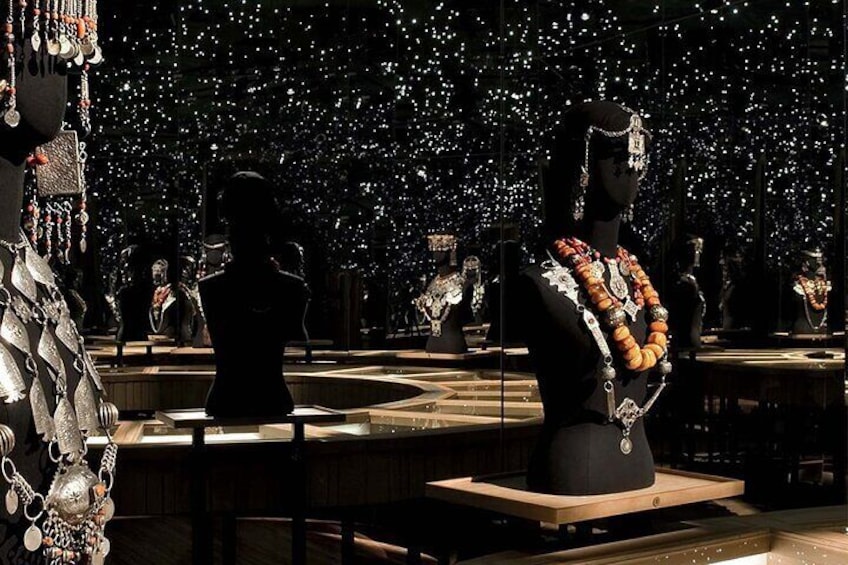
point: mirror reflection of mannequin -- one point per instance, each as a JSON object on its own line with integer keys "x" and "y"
{"x": 446, "y": 302}
{"x": 188, "y": 299}
{"x": 685, "y": 298}
{"x": 582, "y": 449}
{"x": 810, "y": 289}
{"x": 216, "y": 254}
{"x": 252, "y": 308}
{"x": 163, "y": 306}
{"x": 133, "y": 296}
{"x": 737, "y": 294}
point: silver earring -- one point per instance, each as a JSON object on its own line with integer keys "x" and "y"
{"x": 627, "y": 214}
{"x": 579, "y": 202}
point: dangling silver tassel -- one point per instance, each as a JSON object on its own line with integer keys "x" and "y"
{"x": 579, "y": 202}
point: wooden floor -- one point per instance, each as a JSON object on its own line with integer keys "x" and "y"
{"x": 166, "y": 541}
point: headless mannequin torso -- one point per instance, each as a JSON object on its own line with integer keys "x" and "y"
{"x": 810, "y": 289}
{"x": 452, "y": 338}
{"x": 686, "y": 299}
{"x": 579, "y": 452}
{"x": 252, "y": 310}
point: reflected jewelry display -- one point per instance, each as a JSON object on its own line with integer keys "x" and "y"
{"x": 443, "y": 293}
{"x": 472, "y": 270}
{"x": 583, "y": 265}
{"x": 68, "y": 28}
{"x": 637, "y": 156}
{"x": 815, "y": 292}
{"x": 66, "y": 524}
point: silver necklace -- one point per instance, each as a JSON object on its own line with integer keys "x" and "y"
{"x": 441, "y": 295}
{"x": 628, "y": 412}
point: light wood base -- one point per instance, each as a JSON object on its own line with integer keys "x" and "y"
{"x": 672, "y": 488}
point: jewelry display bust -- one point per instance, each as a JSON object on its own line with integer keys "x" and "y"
{"x": 810, "y": 290}
{"x": 163, "y": 304}
{"x": 446, "y": 303}
{"x": 57, "y": 500}
{"x": 685, "y": 298}
{"x": 588, "y": 307}
{"x": 252, "y": 308}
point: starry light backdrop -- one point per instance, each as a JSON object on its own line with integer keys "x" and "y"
{"x": 404, "y": 118}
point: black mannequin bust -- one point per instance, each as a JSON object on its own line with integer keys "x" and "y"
{"x": 810, "y": 289}
{"x": 452, "y": 308}
{"x": 579, "y": 451}
{"x": 685, "y": 298}
{"x": 133, "y": 296}
{"x": 252, "y": 308}
{"x": 41, "y": 101}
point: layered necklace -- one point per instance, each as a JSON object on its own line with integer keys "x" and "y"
{"x": 66, "y": 524}
{"x": 578, "y": 272}
{"x": 442, "y": 294}
{"x": 815, "y": 293}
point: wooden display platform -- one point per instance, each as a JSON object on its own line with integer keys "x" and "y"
{"x": 509, "y": 496}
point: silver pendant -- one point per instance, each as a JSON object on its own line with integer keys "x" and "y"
{"x": 86, "y": 406}
{"x": 597, "y": 269}
{"x": 23, "y": 281}
{"x": 66, "y": 50}
{"x": 21, "y": 309}
{"x": 97, "y": 58}
{"x": 105, "y": 547}
{"x": 631, "y": 308}
{"x": 40, "y": 412}
{"x": 66, "y": 334}
{"x": 83, "y": 246}
{"x": 626, "y": 446}
{"x": 12, "y": 386}
{"x": 53, "y": 47}
{"x": 32, "y": 538}
{"x": 36, "y": 41}
{"x": 624, "y": 268}
{"x": 617, "y": 284}
{"x": 12, "y": 501}
{"x": 79, "y": 58}
{"x": 67, "y": 431}
{"x": 48, "y": 351}
{"x": 86, "y": 47}
{"x": 108, "y": 512}
{"x": 39, "y": 269}
{"x": 13, "y": 331}
{"x": 12, "y": 117}
{"x": 436, "y": 328}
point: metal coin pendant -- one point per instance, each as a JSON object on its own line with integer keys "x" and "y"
{"x": 626, "y": 446}
{"x": 53, "y": 47}
{"x": 105, "y": 547}
{"x": 32, "y": 538}
{"x": 108, "y": 512}
{"x": 11, "y": 501}
{"x": 66, "y": 50}
{"x": 86, "y": 47}
{"x": 12, "y": 118}
{"x": 79, "y": 58}
{"x": 97, "y": 58}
